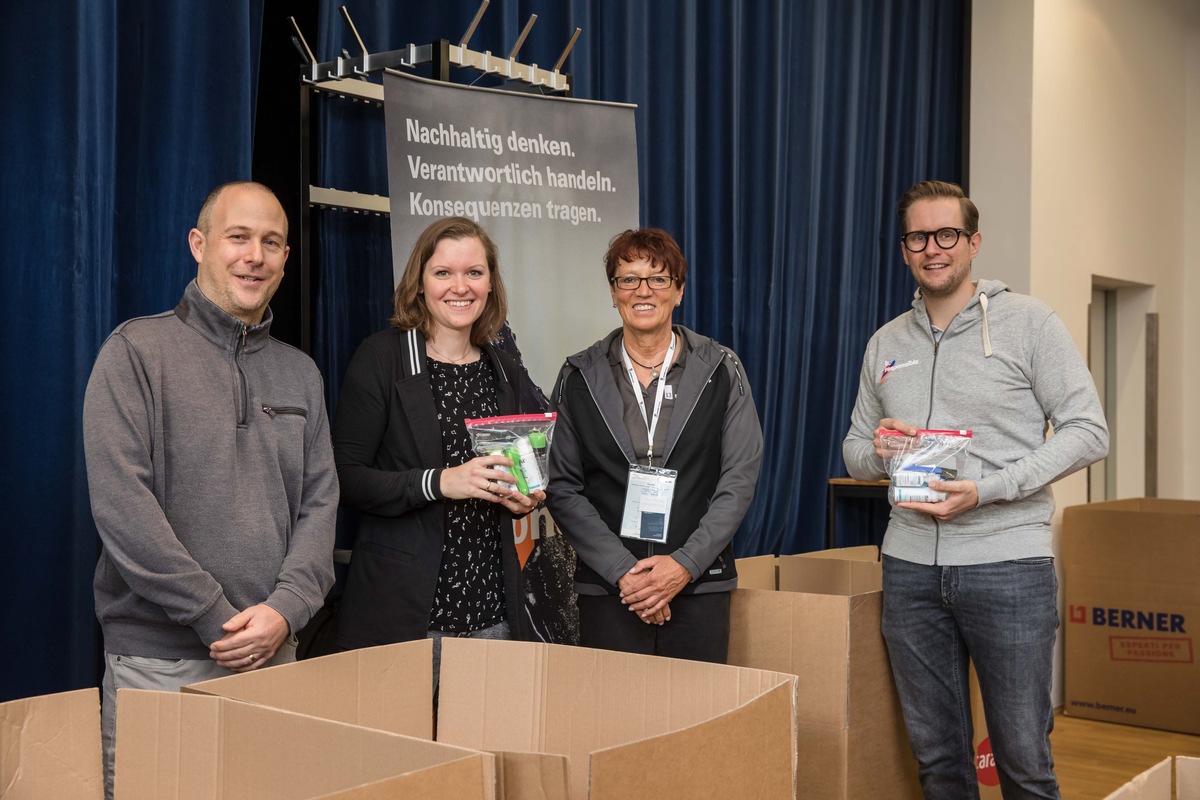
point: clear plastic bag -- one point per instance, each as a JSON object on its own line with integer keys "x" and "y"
{"x": 914, "y": 461}
{"x": 522, "y": 438}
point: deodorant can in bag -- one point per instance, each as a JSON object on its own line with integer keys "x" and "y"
{"x": 911, "y": 479}
{"x": 903, "y": 494}
{"x": 513, "y": 455}
{"x": 529, "y": 465}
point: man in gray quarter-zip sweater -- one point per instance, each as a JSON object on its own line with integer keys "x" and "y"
{"x": 972, "y": 577}
{"x": 210, "y": 470}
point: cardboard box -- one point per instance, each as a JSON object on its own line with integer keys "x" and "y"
{"x": 1133, "y": 612}
{"x": 823, "y": 626}
{"x": 172, "y": 745}
{"x": 50, "y": 747}
{"x": 563, "y": 722}
{"x": 758, "y": 572}
{"x": 1155, "y": 783}
{"x": 180, "y": 746}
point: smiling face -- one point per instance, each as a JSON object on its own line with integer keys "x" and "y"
{"x": 456, "y": 282}
{"x": 645, "y": 310}
{"x": 242, "y": 253}
{"x": 941, "y": 273}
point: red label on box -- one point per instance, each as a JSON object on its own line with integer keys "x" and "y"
{"x": 1151, "y": 649}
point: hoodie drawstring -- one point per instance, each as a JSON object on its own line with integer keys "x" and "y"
{"x": 987, "y": 341}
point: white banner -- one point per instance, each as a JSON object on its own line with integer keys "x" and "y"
{"x": 552, "y": 180}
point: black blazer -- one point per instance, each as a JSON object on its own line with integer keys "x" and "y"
{"x": 387, "y": 445}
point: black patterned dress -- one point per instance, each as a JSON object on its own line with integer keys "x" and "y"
{"x": 470, "y": 586}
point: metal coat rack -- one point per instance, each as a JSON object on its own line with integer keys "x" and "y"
{"x": 348, "y": 78}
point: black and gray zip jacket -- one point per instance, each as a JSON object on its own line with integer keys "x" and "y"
{"x": 714, "y": 440}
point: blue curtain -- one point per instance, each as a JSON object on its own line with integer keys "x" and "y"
{"x": 123, "y": 115}
{"x": 774, "y": 138}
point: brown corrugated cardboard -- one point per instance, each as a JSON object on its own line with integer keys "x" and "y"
{"x": 825, "y": 629}
{"x": 173, "y": 746}
{"x": 757, "y": 572}
{"x": 1155, "y": 783}
{"x": 736, "y": 757}
{"x": 545, "y": 710}
{"x": 1133, "y": 605}
{"x": 388, "y": 688}
{"x": 845, "y": 571}
{"x": 50, "y": 747}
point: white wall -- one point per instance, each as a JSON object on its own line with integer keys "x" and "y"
{"x": 1183, "y": 405}
{"x": 1109, "y": 128}
{"x": 1085, "y": 163}
{"x": 1001, "y": 138}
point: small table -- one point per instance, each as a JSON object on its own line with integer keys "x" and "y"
{"x": 848, "y": 489}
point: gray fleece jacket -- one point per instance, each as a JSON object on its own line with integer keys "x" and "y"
{"x": 211, "y": 476}
{"x": 1004, "y": 367}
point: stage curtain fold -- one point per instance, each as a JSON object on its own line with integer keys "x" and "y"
{"x": 774, "y": 138}
{"x": 116, "y": 119}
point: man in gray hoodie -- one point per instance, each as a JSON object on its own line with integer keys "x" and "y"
{"x": 210, "y": 470}
{"x": 972, "y": 577}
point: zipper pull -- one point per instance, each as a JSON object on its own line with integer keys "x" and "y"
{"x": 245, "y": 333}
{"x": 270, "y": 412}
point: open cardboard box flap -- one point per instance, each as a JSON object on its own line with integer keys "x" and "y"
{"x": 544, "y": 711}
{"x": 387, "y": 688}
{"x": 50, "y": 747}
{"x": 684, "y": 716}
{"x": 182, "y": 746}
{"x": 1155, "y": 783}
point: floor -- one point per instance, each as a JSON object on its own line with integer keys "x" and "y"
{"x": 1093, "y": 759}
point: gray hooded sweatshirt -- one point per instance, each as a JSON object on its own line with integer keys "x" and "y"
{"x": 1004, "y": 368}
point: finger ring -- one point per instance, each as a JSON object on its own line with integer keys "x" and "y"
{"x": 252, "y": 657}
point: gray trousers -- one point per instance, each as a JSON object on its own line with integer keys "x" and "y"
{"x": 161, "y": 674}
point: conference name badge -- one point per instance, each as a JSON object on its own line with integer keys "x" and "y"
{"x": 647, "y": 514}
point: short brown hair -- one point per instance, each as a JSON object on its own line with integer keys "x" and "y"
{"x": 409, "y": 307}
{"x": 653, "y": 244}
{"x": 932, "y": 190}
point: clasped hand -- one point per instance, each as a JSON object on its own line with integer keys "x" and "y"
{"x": 251, "y": 639}
{"x": 650, "y": 586}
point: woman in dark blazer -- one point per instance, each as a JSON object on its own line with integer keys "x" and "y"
{"x": 434, "y": 554}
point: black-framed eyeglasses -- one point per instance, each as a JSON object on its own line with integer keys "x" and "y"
{"x": 917, "y": 241}
{"x": 628, "y": 282}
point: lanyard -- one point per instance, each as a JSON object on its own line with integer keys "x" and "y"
{"x": 652, "y": 420}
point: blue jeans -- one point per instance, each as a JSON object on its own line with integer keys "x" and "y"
{"x": 1003, "y": 616}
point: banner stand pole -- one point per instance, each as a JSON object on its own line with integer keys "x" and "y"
{"x": 347, "y": 77}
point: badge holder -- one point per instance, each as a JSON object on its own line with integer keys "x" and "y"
{"x": 647, "y": 515}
